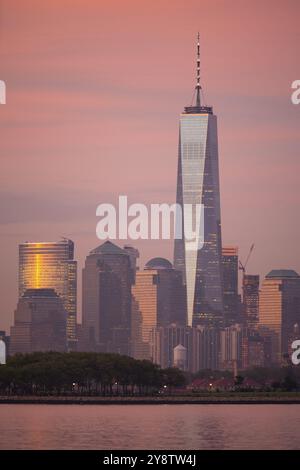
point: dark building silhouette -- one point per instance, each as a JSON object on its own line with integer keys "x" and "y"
{"x": 230, "y": 284}
{"x": 40, "y": 323}
{"x": 133, "y": 256}
{"x": 250, "y": 300}
{"x": 106, "y": 299}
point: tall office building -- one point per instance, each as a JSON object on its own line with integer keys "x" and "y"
{"x": 250, "y": 299}
{"x": 158, "y": 299}
{"x": 279, "y": 310}
{"x": 106, "y": 300}
{"x": 51, "y": 265}
{"x": 230, "y": 284}
{"x": 205, "y": 348}
{"x": 231, "y": 341}
{"x": 40, "y": 323}
{"x": 134, "y": 255}
{"x": 198, "y": 184}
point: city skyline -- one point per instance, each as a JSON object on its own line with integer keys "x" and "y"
{"x": 42, "y": 205}
{"x": 189, "y": 314}
{"x": 149, "y": 230}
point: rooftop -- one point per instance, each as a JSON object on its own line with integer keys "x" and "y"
{"x": 108, "y": 248}
{"x": 158, "y": 263}
{"x": 282, "y": 274}
{"x": 198, "y": 110}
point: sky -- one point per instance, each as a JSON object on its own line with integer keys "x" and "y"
{"x": 94, "y": 94}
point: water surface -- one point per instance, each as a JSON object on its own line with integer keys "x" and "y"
{"x": 149, "y": 426}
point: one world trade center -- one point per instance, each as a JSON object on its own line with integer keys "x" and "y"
{"x": 198, "y": 184}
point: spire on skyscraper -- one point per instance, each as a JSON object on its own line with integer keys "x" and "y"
{"x": 198, "y": 183}
{"x": 198, "y": 86}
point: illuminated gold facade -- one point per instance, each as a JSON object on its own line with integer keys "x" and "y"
{"x": 279, "y": 310}
{"x": 144, "y": 312}
{"x": 51, "y": 265}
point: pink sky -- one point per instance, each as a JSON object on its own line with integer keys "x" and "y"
{"x": 94, "y": 93}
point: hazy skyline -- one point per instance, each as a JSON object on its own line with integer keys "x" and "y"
{"x": 94, "y": 93}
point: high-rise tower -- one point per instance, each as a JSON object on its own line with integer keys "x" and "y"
{"x": 279, "y": 311}
{"x": 51, "y": 265}
{"x": 107, "y": 278}
{"x": 158, "y": 299}
{"x": 198, "y": 183}
{"x": 230, "y": 284}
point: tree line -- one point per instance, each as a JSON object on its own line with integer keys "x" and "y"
{"x": 284, "y": 378}
{"x": 84, "y": 374}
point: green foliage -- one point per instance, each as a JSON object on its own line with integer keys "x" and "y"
{"x": 83, "y": 373}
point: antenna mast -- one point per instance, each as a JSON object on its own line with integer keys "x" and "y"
{"x": 198, "y": 86}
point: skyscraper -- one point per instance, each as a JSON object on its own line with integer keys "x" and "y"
{"x": 205, "y": 348}
{"x": 230, "y": 284}
{"x": 250, "y": 299}
{"x": 133, "y": 257}
{"x": 198, "y": 183}
{"x": 279, "y": 310}
{"x": 39, "y": 323}
{"x": 106, "y": 299}
{"x": 158, "y": 299}
{"x": 51, "y": 265}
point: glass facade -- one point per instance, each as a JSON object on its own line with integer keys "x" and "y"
{"x": 158, "y": 300}
{"x": 39, "y": 323}
{"x": 279, "y": 311}
{"x": 251, "y": 299}
{"x": 51, "y": 265}
{"x": 144, "y": 312}
{"x": 230, "y": 284}
{"x": 198, "y": 183}
{"x": 107, "y": 278}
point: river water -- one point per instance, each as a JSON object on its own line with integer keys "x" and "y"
{"x": 149, "y": 427}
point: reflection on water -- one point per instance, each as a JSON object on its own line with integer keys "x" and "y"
{"x": 149, "y": 426}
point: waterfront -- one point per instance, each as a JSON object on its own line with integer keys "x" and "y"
{"x": 150, "y": 427}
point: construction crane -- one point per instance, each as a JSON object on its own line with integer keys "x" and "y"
{"x": 242, "y": 266}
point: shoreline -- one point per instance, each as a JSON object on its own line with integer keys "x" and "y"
{"x": 169, "y": 400}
